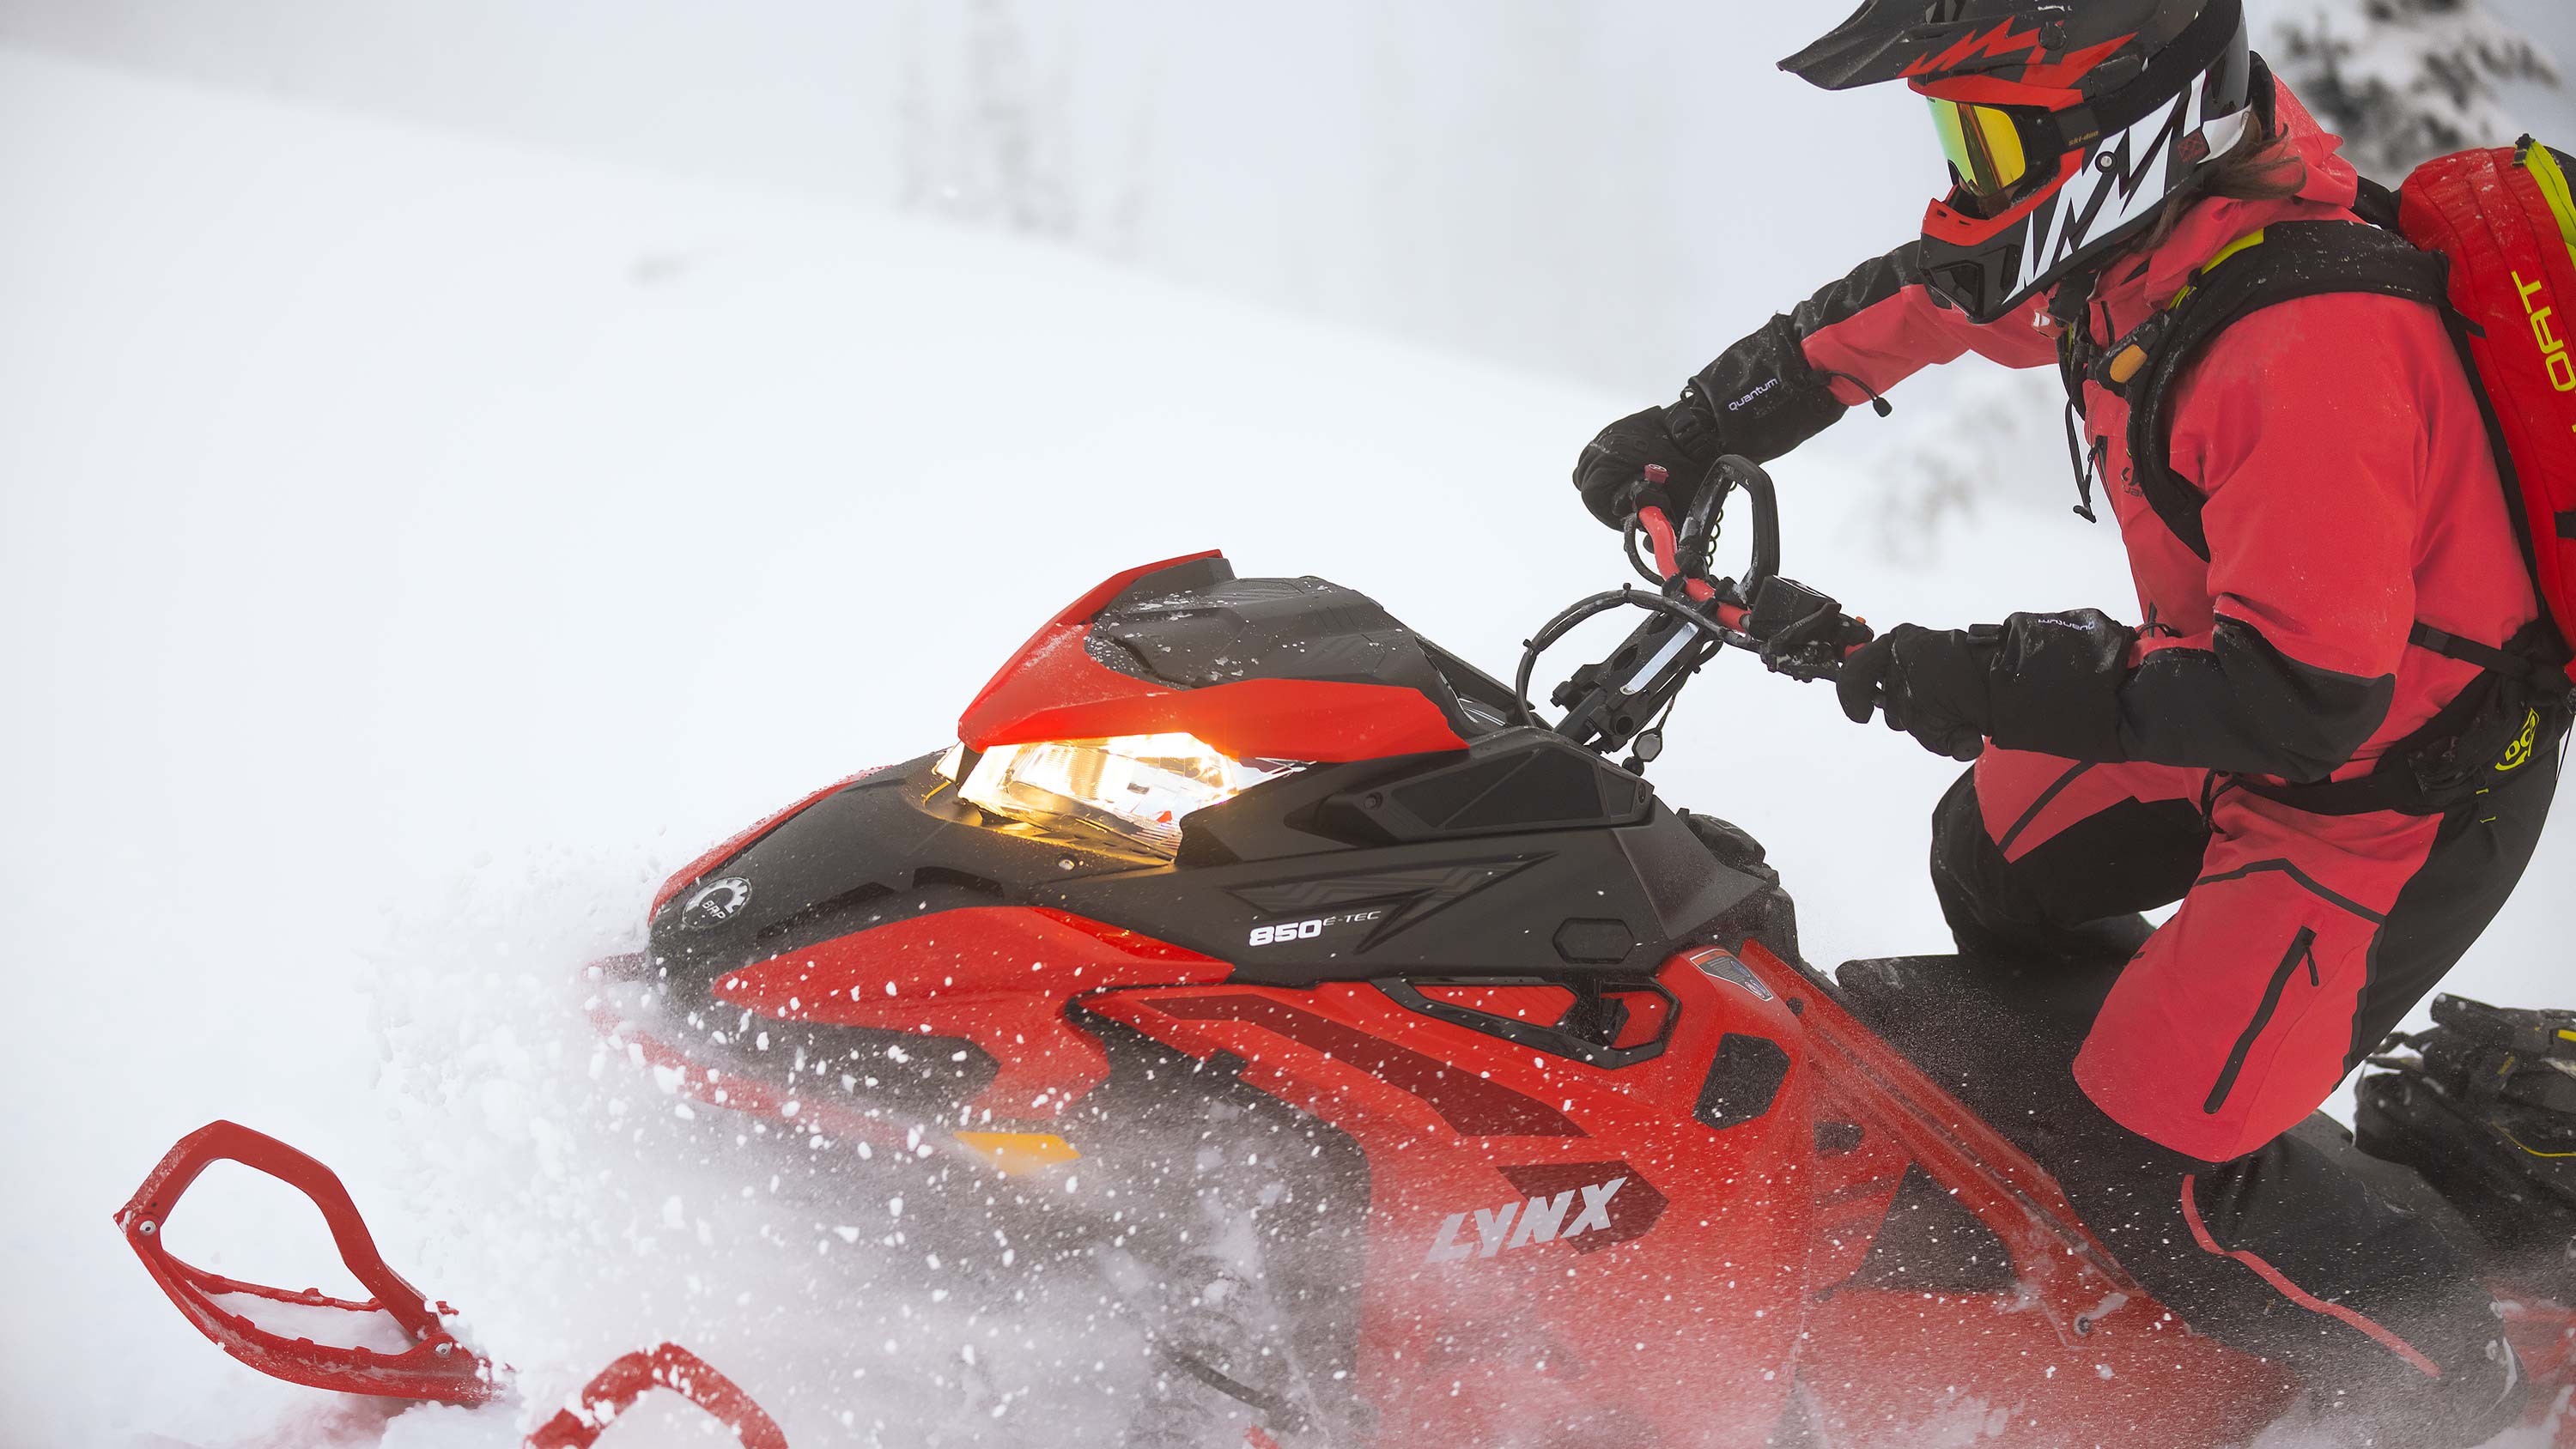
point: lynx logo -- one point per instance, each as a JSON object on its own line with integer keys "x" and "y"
{"x": 1585, "y": 1205}
{"x": 717, "y": 902}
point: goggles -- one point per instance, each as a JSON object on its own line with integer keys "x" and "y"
{"x": 1985, "y": 148}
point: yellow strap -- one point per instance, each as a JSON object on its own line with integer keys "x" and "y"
{"x": 2241, "y": 244}
{"x": 2543, "y": 165}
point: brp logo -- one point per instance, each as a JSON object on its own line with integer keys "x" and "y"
{"x": 716, "y": 902}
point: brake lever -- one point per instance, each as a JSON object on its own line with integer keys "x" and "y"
{"x": 1622, "y": 700}
{"x": 1796, "y": 630}
{"x": 1802, "y": 633}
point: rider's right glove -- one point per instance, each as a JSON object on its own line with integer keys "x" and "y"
{"x": 1934, "y": 684}
{"x": 1760, "y": 399}
{"x": 2045, "y": 682}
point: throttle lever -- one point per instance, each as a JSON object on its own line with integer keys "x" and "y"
{"x": 1658, "y": 528}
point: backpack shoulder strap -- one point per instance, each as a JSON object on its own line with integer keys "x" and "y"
{"x": 2283, "y": 263}
{"x": 2376, "y": 204}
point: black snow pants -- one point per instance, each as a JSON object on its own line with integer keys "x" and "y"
{"x": 2347, "y": 1271}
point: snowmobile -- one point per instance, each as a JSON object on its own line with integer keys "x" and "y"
{"x": 1454, "y": 1087}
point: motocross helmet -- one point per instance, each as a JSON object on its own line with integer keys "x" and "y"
{"x": 2067, "y": 123}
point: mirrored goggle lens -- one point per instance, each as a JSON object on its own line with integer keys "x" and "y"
{"x": 1983, "y": 146}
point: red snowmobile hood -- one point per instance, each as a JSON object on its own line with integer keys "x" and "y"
{"x": 2131, "y": 288}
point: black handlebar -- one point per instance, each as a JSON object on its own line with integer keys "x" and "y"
{"x": 1624, "y": 697}
{"x": 1741, "y": 473}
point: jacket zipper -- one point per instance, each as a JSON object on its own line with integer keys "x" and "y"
{"x": 2302, "y": 947}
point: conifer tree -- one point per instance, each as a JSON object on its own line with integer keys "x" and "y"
{"x": 2406, "y": 80}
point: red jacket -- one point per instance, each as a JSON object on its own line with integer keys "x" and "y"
{"x": 2352, "y": 491}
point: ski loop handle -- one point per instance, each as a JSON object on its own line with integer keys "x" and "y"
{"x": 436, "y": 1367}
{"x": 663, "y": 1366}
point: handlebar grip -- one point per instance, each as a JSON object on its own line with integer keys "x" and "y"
{"x": 1658, "y": 529}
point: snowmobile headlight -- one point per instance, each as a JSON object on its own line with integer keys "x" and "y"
{"x": 1131, "y": 791}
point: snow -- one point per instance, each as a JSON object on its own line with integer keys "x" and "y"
{"x": 337, "y": 1327}
{"x": 417, "y": 546}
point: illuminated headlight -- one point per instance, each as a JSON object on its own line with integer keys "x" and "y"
{"x": 1132, "y": 790}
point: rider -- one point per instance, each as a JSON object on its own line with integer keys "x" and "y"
{"x": 2103, "y": 156}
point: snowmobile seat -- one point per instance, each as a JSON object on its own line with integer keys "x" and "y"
{"x": 2000, "y": 1036}
{"x": 1994, "y": 1032}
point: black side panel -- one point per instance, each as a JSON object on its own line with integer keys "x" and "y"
{"x": 1434, "y": 906}
{"x": 899, "y": 844}
{"x": 1524, "y": 779}
{"x": 864, "y": 855}
{"x": 1742, "y": 1082}
{"x": 1766, "y": 914}
{"x": 1669, "y": 861}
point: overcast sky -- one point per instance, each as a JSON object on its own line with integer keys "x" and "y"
{"x": 1609, "y": 190}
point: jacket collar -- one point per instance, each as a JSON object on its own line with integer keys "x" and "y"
{"x": 2133, "y": 286}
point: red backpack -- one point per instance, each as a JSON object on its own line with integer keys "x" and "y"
{"x": 2506, "y": 221}
{"x": 2489, "y": 237}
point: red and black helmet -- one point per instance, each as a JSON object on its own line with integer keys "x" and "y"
{"x": 2067, "y": 123}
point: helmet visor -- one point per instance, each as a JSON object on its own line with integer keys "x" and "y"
{"x": 1984, "y": 147}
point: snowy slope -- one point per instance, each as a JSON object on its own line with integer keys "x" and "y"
{"x": 414, "y": 547}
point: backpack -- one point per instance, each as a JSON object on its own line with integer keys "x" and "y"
{"x": 2489, "y": 238}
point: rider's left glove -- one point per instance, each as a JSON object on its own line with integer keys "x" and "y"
{"x": 1760, "y": 398}
{"x": 1934, "y": 684}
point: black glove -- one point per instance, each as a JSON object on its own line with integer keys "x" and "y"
{"x": 1933, "y": 684}
{"x": 1760, "y": 398}
{"x": 1611, "y": 472}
